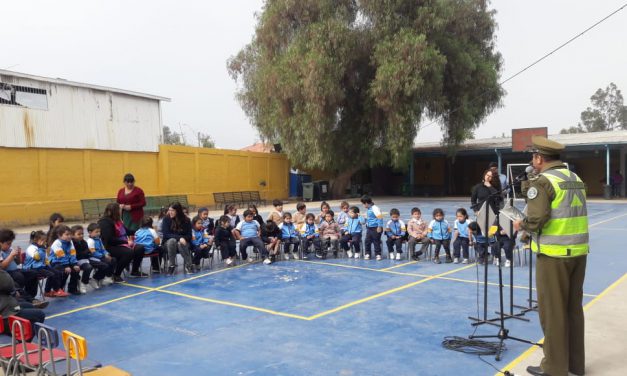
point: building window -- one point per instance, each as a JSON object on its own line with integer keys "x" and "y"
{"x": 23, "y": 96}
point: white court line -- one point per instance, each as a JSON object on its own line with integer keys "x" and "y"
{"x": 608, "y": 220}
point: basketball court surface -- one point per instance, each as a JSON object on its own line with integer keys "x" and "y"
{"x": 320, "y": 317}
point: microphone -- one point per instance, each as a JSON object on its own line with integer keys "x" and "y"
{"x": 523, "y": 176}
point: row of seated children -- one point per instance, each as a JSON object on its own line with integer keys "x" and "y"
{"x": 68, "y": 256}
{"x": 323, "y": 232}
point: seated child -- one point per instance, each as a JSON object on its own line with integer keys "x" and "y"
{"x": 479, "y": 241}
{"x": 36, "y": 261}
{"x": 62, "y": 257}
{"x": 207, "y": 222}
{"x": 440, "y": 234}
{"x": 507, "y": 244}
{"x": 324, "y": 208}
{"x": 249, "y": 234}
{"x": 225, "y": 240}
{"x": 342, "y": 216}
{"x": 201, "y": 243}
{"x": 418, "y": 234}
{"x": 148, "y": 237}
{"x": 353, "y": 233}
{"x": 100, "y": 259}
{"x": 395, "y": 230}
{"x": 461, "y": 235}
{"x": 25, "y": 280}
{"x": 271, "y": 236}
{"x": 329, "y": 235}
{"x": 299, "y": 216}
{"x": 256, "y": 216}
{"x": 276, "y": 215}
{"x": 289, "y": 237}
{"x": 309, "y": 235}
{"x": 82, "y": 256}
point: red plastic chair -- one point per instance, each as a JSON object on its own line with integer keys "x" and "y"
{"x": 48, "y": 340}
{"x": 21, "y": 331}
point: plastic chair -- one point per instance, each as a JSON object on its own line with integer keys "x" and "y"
{"x": 150, "y": 256}
{"x": 75, "y": 348}
{"x": 48, "y": 341}
{"x": 21, "y": 331}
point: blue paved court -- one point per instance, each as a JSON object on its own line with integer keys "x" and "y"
{"x": 331, "y": 317}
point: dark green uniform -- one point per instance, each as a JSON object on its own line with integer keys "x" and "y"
{"x": 559, "y": 276}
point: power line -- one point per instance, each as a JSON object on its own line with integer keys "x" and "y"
{"x": 537, "y": 61}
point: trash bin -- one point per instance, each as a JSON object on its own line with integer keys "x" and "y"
{"x": 324, "y": 189}
{"x": 607, "y": 192}
{"x": 308, "y": 191}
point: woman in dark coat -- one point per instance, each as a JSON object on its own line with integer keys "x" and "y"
{"x": 177, "y": 237}
{"x": 115, "y": 240}
{"x": 132, "y": 201}
{"x": 487, "y": 189}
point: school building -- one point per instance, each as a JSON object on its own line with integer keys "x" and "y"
{"x": 593, "y": 156}
{"x": 63, "y": 141}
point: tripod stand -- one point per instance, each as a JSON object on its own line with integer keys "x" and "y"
{"x": 503, "y": 333}
{"x": 532, "y": 306}
{"x": 488, "y": 209}
{"x": 511, "y": 314}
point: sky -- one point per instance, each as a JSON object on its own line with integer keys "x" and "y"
{"x": 180, "y": 50}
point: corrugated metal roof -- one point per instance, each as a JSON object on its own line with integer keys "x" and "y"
{"x": 61, "y": 81}
{"x": 574, "y": 139}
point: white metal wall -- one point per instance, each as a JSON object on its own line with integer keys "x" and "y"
{"x": 81, "y": 118}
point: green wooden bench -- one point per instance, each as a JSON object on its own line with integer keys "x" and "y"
{"x": 94, "y": 207}
{"x": 244, "y": 198}
{"x": 155, "y": 203}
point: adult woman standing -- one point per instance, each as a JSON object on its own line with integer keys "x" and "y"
{"x": 177, "y": 236}
{"x": 132, "y": 201}
{"x": 115, "y": 240}
{"x": 487, "y": 189}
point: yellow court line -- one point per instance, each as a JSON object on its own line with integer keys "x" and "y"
{"x": 97, "y": 304}
{"x": 226, "y": 303}
{"x": 204, "y": 275}
{"x": 532, "y": 349}
{"x": 148, "y": 289}
{"x": 384, "y": 293}
{"x": 400, "y": 266}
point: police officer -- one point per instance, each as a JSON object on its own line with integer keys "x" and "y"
{"x": 557, "y": 218}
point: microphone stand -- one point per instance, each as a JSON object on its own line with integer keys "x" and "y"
{"x": 503, "y": 333}
{"x": 511, "y": 314}
{"x": 532, "y": 306}
{"x": 532, "y": 303}
{"x": 485, "y": 320}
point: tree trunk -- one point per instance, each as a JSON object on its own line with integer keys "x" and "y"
{"x": 341, "y": 182}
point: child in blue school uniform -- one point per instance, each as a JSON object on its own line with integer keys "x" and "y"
{"x": 248, "y": 232}
{"x": 62, "y": 258}
{"x": 440, "y": 234}
{"x": 36, "y": 260}
{"x": 201, "y": 243}
{"x": 289, "y": 237}
{"x": 461, "y": 235}
{"x": 374, "y": 228}
{"x": 353, "y": 230}
{"x": 310, "y": 235}
{"x": 395, "y": 230}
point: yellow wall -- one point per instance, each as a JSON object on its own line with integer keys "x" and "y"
{"x": 37, "y": 182}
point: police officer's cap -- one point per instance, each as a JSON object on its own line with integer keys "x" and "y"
{"x": 544, "y": 146}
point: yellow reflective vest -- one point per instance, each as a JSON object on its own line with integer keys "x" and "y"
{"x": 566, "y": 233}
